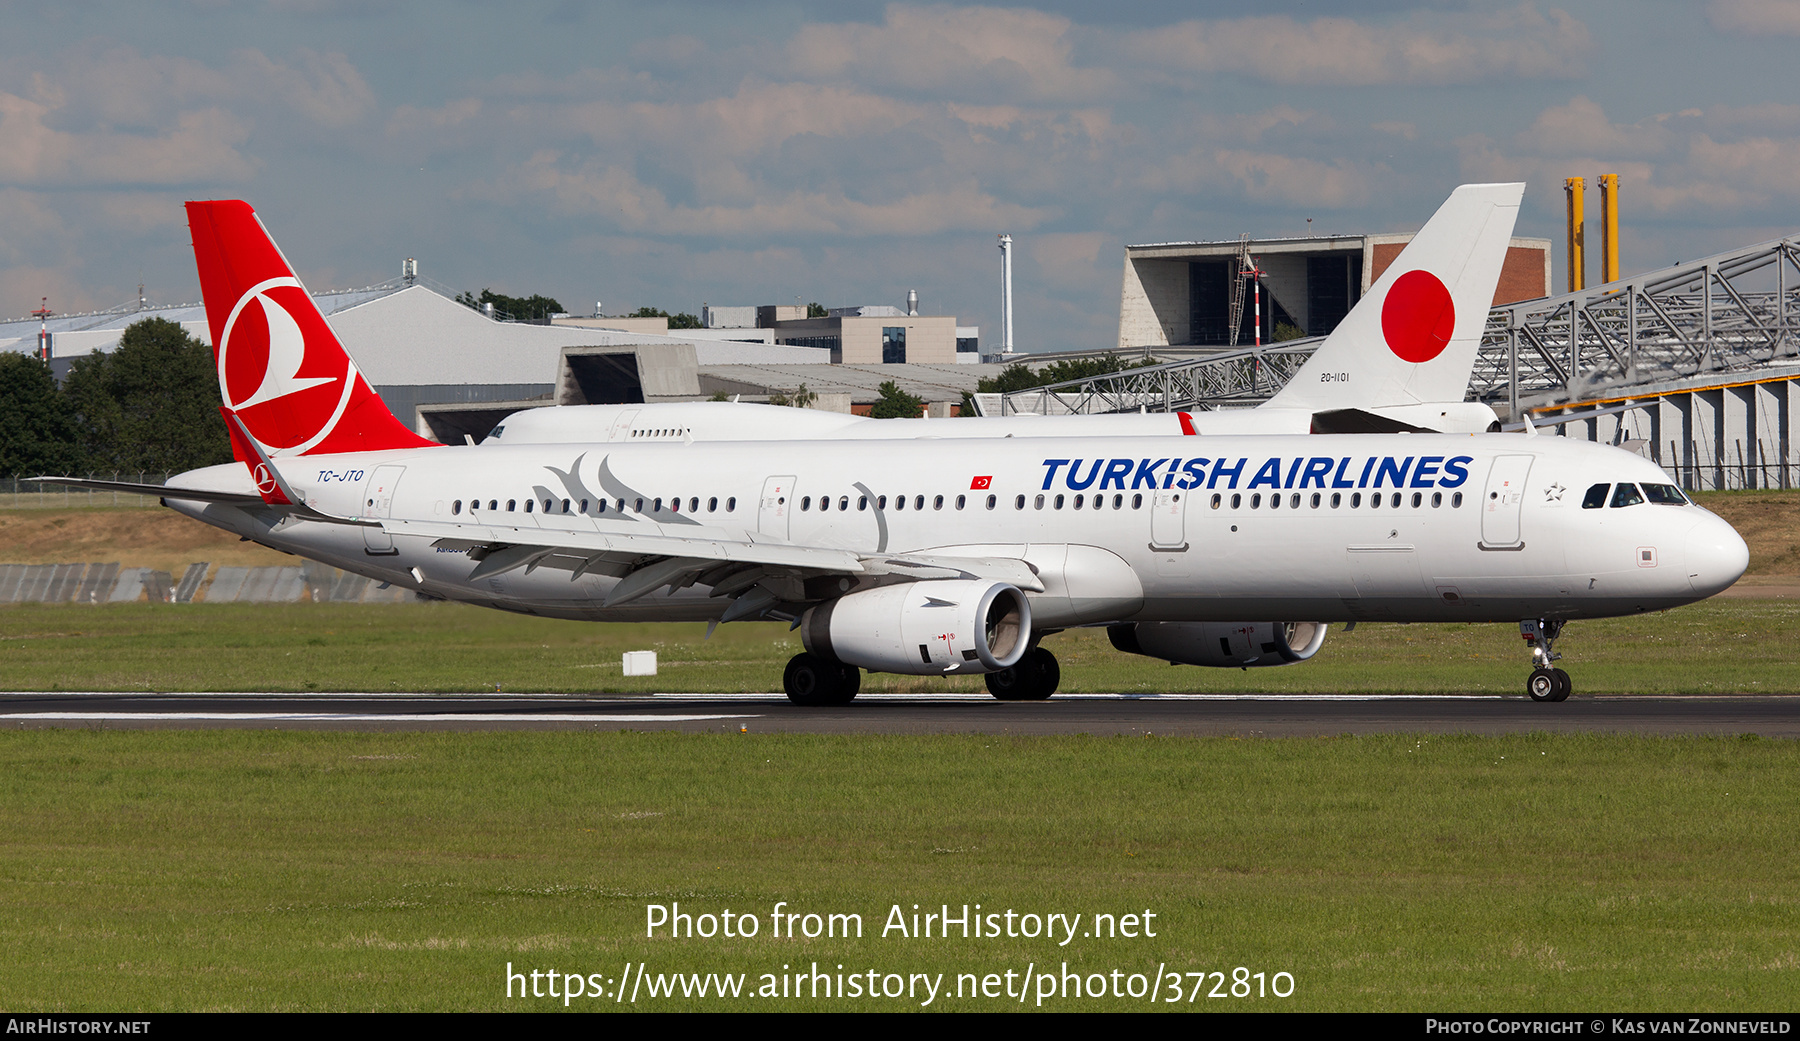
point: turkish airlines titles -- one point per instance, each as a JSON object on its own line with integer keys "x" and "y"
{"x": 1426, "y": 471}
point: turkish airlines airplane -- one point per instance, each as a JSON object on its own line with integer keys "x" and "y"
{"x": 945, "y": 556}
{"x": 1400, "y": 360}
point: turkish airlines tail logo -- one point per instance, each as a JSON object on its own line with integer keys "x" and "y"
{"x": 282, "y": 371}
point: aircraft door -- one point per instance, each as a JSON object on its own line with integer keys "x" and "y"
{"x": 378, "y": 504}
{"x": 777, "y": 503}
{"x": 1502, "y": 501}
{"x": 621, "y": 428}
{"x": 1168, "y": 520}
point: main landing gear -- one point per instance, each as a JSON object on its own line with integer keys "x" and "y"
{"x": 1546, "y": 683}
{"x": 1033, "y": 679}
{"x": 812, "y": 680}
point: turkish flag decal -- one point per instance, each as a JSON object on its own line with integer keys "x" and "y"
{"x": 980, "y": 484}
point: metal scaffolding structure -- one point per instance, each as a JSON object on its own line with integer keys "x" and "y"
{"x": 1734, "y": 312}
{"x": 1227, "y": 379}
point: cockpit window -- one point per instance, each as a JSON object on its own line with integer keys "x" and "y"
{"x": 1665, "y": 495}
{"x": 494, "y": 434}
{"x": 1596, "y": 497}
{"x": 1626, "y": 495}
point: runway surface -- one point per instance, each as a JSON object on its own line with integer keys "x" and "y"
{"x": 1099, "y": 714}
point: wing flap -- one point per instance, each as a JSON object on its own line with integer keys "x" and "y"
{"x": 586, "y": 544}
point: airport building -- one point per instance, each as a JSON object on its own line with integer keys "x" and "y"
{"x": 1189, "y": 293}
{"x": 451, "y": 372}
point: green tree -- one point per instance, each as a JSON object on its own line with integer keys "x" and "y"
{"x": 896, "y": 404}
{"x": 801, "y": 398}
{"x": 39, "y": 435}
{"x": 817, "y": 310}
{"x": 676, "y": 321}
{"x": 150, "y": 405}
{"x": 518, "y": 308}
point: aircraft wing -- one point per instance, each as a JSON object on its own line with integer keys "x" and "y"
{"x": 757, "y": 574}
{"x": 165, "y": 491}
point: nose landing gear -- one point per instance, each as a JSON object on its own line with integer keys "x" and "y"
{"x": 1546, "y": 683}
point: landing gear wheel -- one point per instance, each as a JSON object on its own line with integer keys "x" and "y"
{"x": 813, "y": 681}
{"x": 1033, "y": 679}
{"x": 1548, "y": 685}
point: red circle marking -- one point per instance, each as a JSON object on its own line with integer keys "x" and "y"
{"x": 1418, "y": 317}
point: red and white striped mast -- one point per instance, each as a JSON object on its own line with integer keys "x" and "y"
{"x": 42, "y": 314}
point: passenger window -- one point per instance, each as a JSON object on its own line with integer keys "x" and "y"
{"x": 528, "y": 503}
{"x": 657, "y": 505}
{"x": 731, "y": 504}
{"x": 640, "y": 506}
{"x": 991, "y": 501}
{"x": 1626, "y": 495}
{"x": 693, "y": 504}
{"x": 881, "y": 502}
{"x": 1294, "y": 501}
{"x": 1595, "y": 497}
{"x": 899, "y": 502}
{"x": 1019, "y": 503}
{"x": 1337, "y": 499}
{"x": 1040, "y": 502}
{"x": 937, "y": 502}
{"x": 1456, "y": 501}
{"x": 824, "y": 503}
{"x": 1137, "y": 501}
{"x": 805, "y": 503}
{"x": 456, "y": 507}
{"x": 1217, "y": 498}
{"x": 918, "y": 502}
{"x": 1437, "y": 499}
{"x": 602, "y": 506}
{"x": 511, "y": 505}
{"x": 1275, "y": 501}
{"x": 1119, "y": 502}
{"x": 1078, "y": 502}
{"x": 960, "y": 500}
{"x": 862, "y": 503}
{"x": 1059, "y": 502}
{"x": 1236, "y": 499}
{"x": 1418, "y": 497}
{"x": 1396, "y": 503}
{"x": 712, "y": 504}
{"x": 1316, "y": 499}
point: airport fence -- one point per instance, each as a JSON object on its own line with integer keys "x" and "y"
{"x": 20, "y": 493}
{"x": 199, "y": 583}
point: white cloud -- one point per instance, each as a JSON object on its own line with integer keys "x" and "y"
{"x": 202, "y": 145}
{"x": 1422, "y": 48}
{"x": 1755, "y": 17}
{"x": 969, "y": 52}
{"x": 600, "y": 189}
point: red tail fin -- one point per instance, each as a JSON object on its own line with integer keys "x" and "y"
{"x": 282, "y": 370}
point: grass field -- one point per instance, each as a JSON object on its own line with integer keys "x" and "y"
{"x": 244, "y": 870}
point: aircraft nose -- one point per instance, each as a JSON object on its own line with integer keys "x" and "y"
{"x": 1716, "y": 556}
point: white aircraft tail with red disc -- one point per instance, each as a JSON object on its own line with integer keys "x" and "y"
{"x": 1412, "y": 338}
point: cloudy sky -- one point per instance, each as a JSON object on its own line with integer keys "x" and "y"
{"x": 677, "y": 153}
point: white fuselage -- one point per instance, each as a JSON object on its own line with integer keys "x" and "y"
{"x": 1486, "y": 527}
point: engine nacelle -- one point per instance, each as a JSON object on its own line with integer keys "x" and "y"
{"x": 923, "y": 628}
{"x": 1221, "y": 645}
